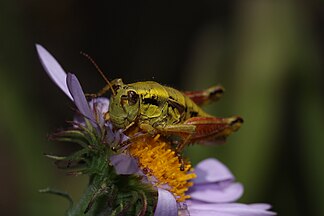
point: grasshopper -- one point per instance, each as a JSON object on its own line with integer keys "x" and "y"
{"x": 156, "y": 109}
{"x": 149, "y": 108}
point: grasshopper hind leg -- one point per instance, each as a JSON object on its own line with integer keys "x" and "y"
{"x": 206, "y": 96}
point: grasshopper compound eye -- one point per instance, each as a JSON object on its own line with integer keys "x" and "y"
{"x": 132, "y": 97}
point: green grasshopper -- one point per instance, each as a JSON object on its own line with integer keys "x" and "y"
{"x": 151, "y": 108}
{"x": 158, "y": 109}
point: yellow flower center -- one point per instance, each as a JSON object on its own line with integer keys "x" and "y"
{"x": 162, "y": 166}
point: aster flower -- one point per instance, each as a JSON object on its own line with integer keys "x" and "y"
{"x": 145, "y": 178}
{"x": 152, "y": 183}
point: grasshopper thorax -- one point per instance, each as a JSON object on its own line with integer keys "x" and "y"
{"x": 124, "y": 104}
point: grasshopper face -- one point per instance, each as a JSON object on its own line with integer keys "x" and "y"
{"x": 124, "y": 105}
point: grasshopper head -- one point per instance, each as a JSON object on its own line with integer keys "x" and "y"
{"x": 124, "y": 104}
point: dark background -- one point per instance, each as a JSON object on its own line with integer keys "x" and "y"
{"x": 267, "y": 54}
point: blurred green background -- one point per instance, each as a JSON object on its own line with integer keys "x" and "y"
{"x": 267, "y": 54}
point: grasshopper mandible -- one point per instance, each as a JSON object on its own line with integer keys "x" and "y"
{"x": 151, "y": 108}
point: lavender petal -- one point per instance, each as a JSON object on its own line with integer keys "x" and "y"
{"x": 78, "y": 96}
{"x": 166, "y": 205}
{"x": 203, "y": 212}
{"x": 124, "y": 164}
{"x": 53, "y": 69}
{"x": 217, "y": 193}
{"x": 99, "y": 106}
{"x": 212, "y": 170}
{"x": 232, "y": 209}
{"x": 262, "y": 206}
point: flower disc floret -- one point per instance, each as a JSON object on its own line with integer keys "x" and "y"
{"x": 161, "y": 165}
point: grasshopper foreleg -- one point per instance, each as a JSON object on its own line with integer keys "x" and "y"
{"x": 100, "y": 93}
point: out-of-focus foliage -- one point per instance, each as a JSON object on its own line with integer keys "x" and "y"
{"x": 267, "y": 54}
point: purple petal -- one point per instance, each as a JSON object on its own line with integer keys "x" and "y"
{"x": 110, "y": 135}
{"x": 217, "y": 193}
{"x": 124, "y": 164}
{"x": 166, "y": 205}
{"x": 262, "y": 206}
{"x": 78, "y": 96}
{"x": 98, "y": 106}
{"x": 53, "y": 69}
{"x": 232, "y": 209}
{"x": 203, "y": 212}
{"x": 212, "y": 170}
{"x": 101, "y": 104}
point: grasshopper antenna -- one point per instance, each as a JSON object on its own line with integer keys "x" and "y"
{"x": 99, "y": 70}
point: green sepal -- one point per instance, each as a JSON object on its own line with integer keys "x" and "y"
{"x": 57, "y": 193}
{"x": 77, "y": 136}
{"x": 107, "y": 193}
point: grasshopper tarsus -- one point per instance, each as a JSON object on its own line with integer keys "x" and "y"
{"x": 181, "y": 161}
